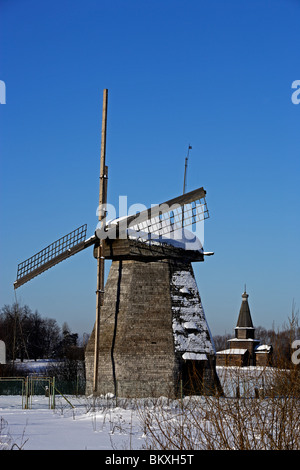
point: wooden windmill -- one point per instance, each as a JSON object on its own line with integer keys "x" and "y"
{"x": 150, "y": 336}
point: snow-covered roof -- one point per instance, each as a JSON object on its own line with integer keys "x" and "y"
{"x": 243, "y": 340}
{"x": 263, "y": 348}
{"x": 180, "y": 238}
{"x": 233, "y": 351}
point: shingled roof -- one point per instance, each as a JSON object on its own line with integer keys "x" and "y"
{"x": 244, "y": 319}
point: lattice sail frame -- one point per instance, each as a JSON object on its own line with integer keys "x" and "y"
{"x": 54, "y": 253}
{"x": 160, "y": 220}
{"x": 175, "y": 218}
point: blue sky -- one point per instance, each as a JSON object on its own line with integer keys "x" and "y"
{"x": 216, "y": 75}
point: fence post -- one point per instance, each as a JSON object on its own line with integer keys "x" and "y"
{"x": 53, "y": 393}
{"x": 26, "y": 393}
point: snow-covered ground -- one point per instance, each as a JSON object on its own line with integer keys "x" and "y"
{"x": 107, "y": 427}
{"x": 78, "y": 423}
{"x": 87, "y": 423}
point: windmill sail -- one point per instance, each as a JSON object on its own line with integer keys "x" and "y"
{"x": 161, "y": 219}
{"x": 53, "y": 254}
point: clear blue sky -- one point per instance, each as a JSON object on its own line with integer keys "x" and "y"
{"x": 216, "y": 75}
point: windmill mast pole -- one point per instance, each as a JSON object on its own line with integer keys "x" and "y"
{"x": 185, "y": 169}
{"x": 100, "y": 257}
{"x": 184, "y": 181}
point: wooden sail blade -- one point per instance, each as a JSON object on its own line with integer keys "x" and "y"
{"x": 58, "y": 251}
{"x": 162, "y": 219}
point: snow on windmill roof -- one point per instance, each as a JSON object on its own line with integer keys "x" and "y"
{"x": 180, "y": 238}
{"x": 192, "y": 337}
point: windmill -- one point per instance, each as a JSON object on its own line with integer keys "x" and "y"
{"x": 150, "y": 335}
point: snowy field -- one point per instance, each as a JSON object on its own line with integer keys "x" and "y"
{"x": 87, "y": 423}
{"x": 65, "y": 428}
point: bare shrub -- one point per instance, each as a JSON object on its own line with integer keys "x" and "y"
{"x": 267, "y": 420}
{"x": 6, "y": 440}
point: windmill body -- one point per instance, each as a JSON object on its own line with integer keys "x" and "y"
{"x": 154, "y": 337}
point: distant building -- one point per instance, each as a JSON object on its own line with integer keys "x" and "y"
{"x": 244, "y": 349}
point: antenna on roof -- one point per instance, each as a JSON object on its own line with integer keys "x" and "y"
{"x": 185, "y": 169}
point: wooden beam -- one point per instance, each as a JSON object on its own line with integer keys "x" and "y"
{"x": 135, "y": 249}
{"x": 99, "y": 249}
